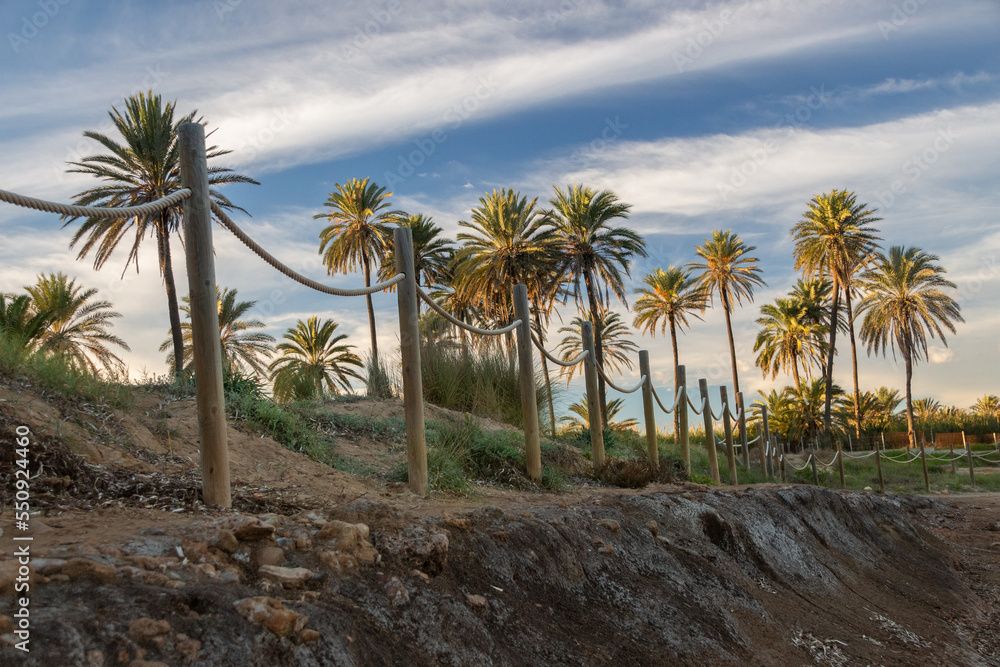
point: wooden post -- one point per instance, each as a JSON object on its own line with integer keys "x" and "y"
{"x": 727, "y": 429}
{"x": 968, "y": 453}
{"x": 776, "y": 453}
{"x": 923, "y": 463}
{"x": 996, "y": 444}
{"x": 850, "y": 445}
{"x": 951, "y": 455}
{"x": 682, "y": 420}
{"x": 815, "y": 471}
{"x": 878, "y": 465}
{"x": 529, "y": 404}
{"x": 593, "y": 399}
{"x": 204, "y": 300}
{"x": 742, "y": 428}
{"x": 409, "y": 349}
{"x": 881, "y": 433}
{"x": 840, "y": 465}
{"x": 781, "y": 460}
{"x": 765, "y": 440}
{"x": 647, "y": 410}
{"x": 713, "y": 457}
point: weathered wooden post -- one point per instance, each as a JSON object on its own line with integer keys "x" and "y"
{"x": 968, "y": 453}
{"x": 713, "y": 457}
{"x": 812, "y": 456}
{"x": 923, "y": 463}
{"x": 727, "y": 429}
{"x": 647, "y": 410}
{"x": 529, "y": 406}
{"x": 781, "y": 459}
{"x": 409, "y": 349}
{"x": 776, "y": 453}
{"x": 741, "y": 426}
{"x": 204, "y": 300}
{"x": 765, "y": 440}
{"x": 996, "y": 444}
{"x": 840, "y": 465}
{"x": 684, "y": 435}
{"x": 593, "y": 398}
{"x": 878, "y": 465}
{"x": 951, "y": 455}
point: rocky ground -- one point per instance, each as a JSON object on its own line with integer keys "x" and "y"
{"x": 316, "y": 567}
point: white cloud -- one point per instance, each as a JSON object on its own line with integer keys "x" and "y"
{"x": 939, "y": 355}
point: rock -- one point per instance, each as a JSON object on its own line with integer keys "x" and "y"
{"x": 610, "y": 524}
{"x": 420, "y": 575}
{"x": 424, "y": 547}
{"x": 188, "y": 647}
{"x": 271, "y": 614}
{"x": 268, "y": 555}
{"x": 194, "y": 551}
{"x": 150, "y": 563}
{"x": 456, "y": 523}
{"x": 477, "y": 601}
{"x": 314, "y": 517}
{"x": 222, "y": 539}
{"x": 303, "y": 543}
{"x": 148, "y": 631}
{"x": 152, "y": 531}
{"x": 84, "y": 568}
{"x": 338, "y": 562}
{"x": 95, "y": 658}
{"x": 607, "y": 550}
{"x": 306, "y": 635}
{"x": 153, "y": 578}
{"x": 500, "y": 534}
{"x": 47, "y": 566}
{"x": 397, "y": 593}
{"x": 289, "y": 577}
{"x": 230, "y": 575}
{"x": 247, "y": 528}
{"x": 654, "y": 527}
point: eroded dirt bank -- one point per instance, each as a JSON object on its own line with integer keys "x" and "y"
{"x": 771, "y": 576}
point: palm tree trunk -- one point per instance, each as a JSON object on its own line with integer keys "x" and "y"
{"x": 795, "y": 374}
{"x": 548, "y": 380}
{"x": 732, "y": 342}
{"x": 602, "y": 391}
{"x": 167, "y": 269}
{"x": 677, "y": 377}
{"x": 834, "y": 311}
{"x": 371, "y": 308}
{"x": 911, "y": 434}
{"x": 854, "y": 363}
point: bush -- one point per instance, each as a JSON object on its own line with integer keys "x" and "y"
{"x": 637, "y": 473}
{"x": 379, "y": 382}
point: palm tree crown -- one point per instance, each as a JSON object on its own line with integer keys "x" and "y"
{"x": 313, "y": 361}
{"x": 432, "y": 253}
{"x": 144, "y": 167}
{"x": 619, "y": 349}
{"x": 789, "y": 336}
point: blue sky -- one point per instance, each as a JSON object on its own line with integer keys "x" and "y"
{"x": 702, "y": 115}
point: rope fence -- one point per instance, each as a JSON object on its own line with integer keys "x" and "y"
{"x": 436, "y": 307}
{"x": 110, "y": 213}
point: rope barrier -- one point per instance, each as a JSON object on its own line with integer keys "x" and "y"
{"x": 716, "y": 417}
{"x": 982, "y": 457}
{"x": 95, "y": 211}
{"x": 694, "y": 408}
{"x": 294, "y": 275}
{"x": 860, "y": 456}
{"x": 545, "y": 353}
{"x": 611, "y": 384}
{"x": 459, "y": 323}
{"x": 804, "y": 465}
{"x": 677, "y": 400}
{"x": 889, "y": 458}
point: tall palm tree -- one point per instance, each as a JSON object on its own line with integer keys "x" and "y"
{"x": 780, "y": 412}
{"x": 432, "y": 253}
{"x": 313, "y": 361}
{"x": 905, "y": 302}
{"x": 619, "y": 349}
{"x": 242, "y": 349}
{"x": 987, "y": 406}
{"x": 729, "y": 271}
{"x": 77, "y": 328}
{"x": 667, "y": 300}
{"x": 20, "y": 323}
{"x": 836, "y": 239}
{"x": 582, "y": 418}
{"x": 787, "y": 338}
{"x": 144, "y": 167}
{"x": 595, "y": 253}
{"x": 926, "y": 408}
{"x": 357, "y": 234}
{"x": 808, "y": 405}
{"x": 509, "y": 242}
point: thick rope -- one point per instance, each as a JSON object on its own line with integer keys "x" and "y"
{"x": 832, "y": 461}
{"x": 564, "y": 364}
{"x": 716, "y": 417}
{"x": 982, "y": 457}
{"x": 694, "y": 408}
{"x": 677, "y": 399}
{"x": 459, "y": 323}
{"x": 611, "y": 384}
{"x": 95, "y": 211}
{"x": 889, "y": 458}
{"x": 860, "y": 456}
{"x": 297, "y": 277}
{"x": 750, "y": 442}
{"x": 804, "y": 465}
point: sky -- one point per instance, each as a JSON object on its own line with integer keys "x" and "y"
{"x": 701, "y": 115}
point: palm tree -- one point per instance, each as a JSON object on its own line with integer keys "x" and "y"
{"x": 582, "y": 419}
{"x": 619, "y": 350}
{"x": 313, "y": 362}
{"x": 987, "y": 406}
{"x": 595, "y": 253}
{"x": 671, "y": 296}
{"x": 20, "y": 323}
{"x": 509, "y": 242}
{"x": 780, "y": 413}
{"x": 432, "y": 254}
{"x": 729, "y": 271}
{"x": 357, "y": 234}
{"x": 242, "y": 350}
{"x": 144, "y": 167}
{"x": 77, "y": 328}
{"x": 788, "y": 336}
{"x": 836, "y": 239}
{"x": 926, "y": 408}
{"x": 906, "y": 301}
{"x": 808, "y": 406}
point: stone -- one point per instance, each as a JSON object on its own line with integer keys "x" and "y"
{"x": 500, "y": 534}
{"x": 654, "y": 528}
{"x": 338, "y": 562}
{"x": 187, "y": 647}
{"x": 84, "y": 568}
{"x": 148, "y": 631}
{"x": 457, "y": 523}
{"x": 152, "y": 578}
{"x": 396, "y": 591}
{"x": 47, "y": 566}
{"x": 289, "y": 577}
{"x": 272, "y": 614}
{"x": 194, "y": 551}
{"x": 268, "y": 555}
{"x": 306, "y": 636}
{"x": 477, "y": 601}
{"x": 426, "y": 547}
{"x": 303, "y": 543}
{"x": 247, "y": 528}
{"x": 423, "y": 576}
{"x": 222, "y": 539}
{"x": 95, "y": 658}
{"x": 610, "y": 524}
{"x": 607, "y": 550}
